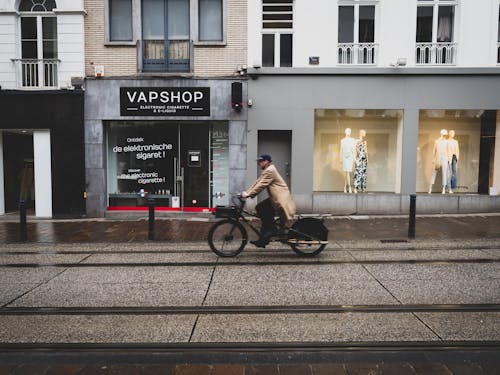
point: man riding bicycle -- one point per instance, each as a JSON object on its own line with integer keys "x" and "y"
{"x": 280, "y": 200}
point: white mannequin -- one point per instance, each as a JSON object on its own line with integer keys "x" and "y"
{"x": 347, "y": 152}
{"x": 440, "y": 157}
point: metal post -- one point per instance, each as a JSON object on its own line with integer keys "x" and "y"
{"x": 23, "y": 230}
{"x": 151, "y": 205}
{"x": 411, "y": 222}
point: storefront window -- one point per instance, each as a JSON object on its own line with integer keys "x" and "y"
{"x": 456, "y": 151}
{"x": 357, "y": 150}
{"x": 176, "y": 163}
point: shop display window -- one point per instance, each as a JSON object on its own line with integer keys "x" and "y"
{"x": 178, "y": 164}
{"x": 357, "y": 150}
{"x": 456, "y": 151}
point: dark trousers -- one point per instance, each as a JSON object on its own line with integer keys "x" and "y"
{"x": 265, "y": 210}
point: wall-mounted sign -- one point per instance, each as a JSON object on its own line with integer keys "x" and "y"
{"x": 165, "y": 101}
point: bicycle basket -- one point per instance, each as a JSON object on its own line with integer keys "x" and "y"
{"x": 226, "y": 211}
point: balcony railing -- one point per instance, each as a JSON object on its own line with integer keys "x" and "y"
{"x": 435, "y": 53}
{"x": 37, "y": 73}
{"x": 357, "y": 53}
{"x": 176, "y": 59}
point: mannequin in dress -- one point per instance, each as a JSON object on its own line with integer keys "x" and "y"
{"x": 454, "y": 155}
{"x": 347, "y": 151}
{"x": 440, "y": 157}
{"x": 361, "y": 163}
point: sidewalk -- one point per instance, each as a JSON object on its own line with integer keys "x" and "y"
{"x": 195, "y": 228}
{"x": 95, "y": 296}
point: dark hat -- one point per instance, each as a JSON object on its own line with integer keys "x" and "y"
{"x": 264, "y": 157}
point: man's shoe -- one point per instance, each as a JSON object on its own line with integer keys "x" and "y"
{"x": 259, "y": 243}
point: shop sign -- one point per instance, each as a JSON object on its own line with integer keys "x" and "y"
{"x": 165, "y": 101}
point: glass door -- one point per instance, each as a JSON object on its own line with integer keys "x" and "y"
{"x": 194, "y": 163}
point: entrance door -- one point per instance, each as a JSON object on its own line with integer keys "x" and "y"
{"x": 194, "y": 162}
{"x": 19, "y": 178}
{"x": 277, "y": 143}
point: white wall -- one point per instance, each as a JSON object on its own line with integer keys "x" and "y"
{"x": 8, "y": 49}
{"x": 316, "y": 23}
{"x": 71, "y": 43}
{"x": 43, "y": 173}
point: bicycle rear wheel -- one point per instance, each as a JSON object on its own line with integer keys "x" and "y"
{"x": 227, "y": 238}
{"x": 308, "y": 236}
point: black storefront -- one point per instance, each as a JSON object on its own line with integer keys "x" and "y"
{"x": 61, "y": 113}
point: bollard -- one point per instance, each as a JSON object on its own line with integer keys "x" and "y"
{"x": 151, "y": 205}
{"x": 23, "y": 230}
{"x": 411, "y": 221}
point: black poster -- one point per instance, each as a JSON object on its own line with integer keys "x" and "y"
{"x": 165, "y": 101}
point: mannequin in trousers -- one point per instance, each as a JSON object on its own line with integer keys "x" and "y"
{"x": 454, "y": 155}
{"x": 440, "y": 160}
{"x": 347, "y": 152}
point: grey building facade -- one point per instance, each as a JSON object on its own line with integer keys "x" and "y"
{"x": 181, "y": 141}
{"x": 403, "y": 112}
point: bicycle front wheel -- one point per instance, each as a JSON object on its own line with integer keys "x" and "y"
{"x": 227, "y": 238}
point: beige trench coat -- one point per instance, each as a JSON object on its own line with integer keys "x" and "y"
{"x": 277, "y": 189}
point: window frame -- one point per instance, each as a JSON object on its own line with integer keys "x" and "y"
{"x": 195, "y": 26}
{"x": 39, "y": 33}
{"x": 436, "y": 4}
{"x": 107, "y": 25}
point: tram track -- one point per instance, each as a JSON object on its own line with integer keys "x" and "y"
{"x": 246, "y": 309}
{"x": 251, "y": 263}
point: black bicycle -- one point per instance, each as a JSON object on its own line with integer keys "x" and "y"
{"x": 307, "y": 236}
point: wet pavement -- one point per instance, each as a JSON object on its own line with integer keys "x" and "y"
{"x": 95, "y": 296}
{"x": 195, "y": 228}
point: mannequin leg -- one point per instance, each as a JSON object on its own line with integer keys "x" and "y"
{"x": 444, "y": 172}
{"x": 348, "y": 179}
{"x": 433, "y": 179}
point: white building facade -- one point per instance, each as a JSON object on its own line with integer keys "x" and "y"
{"x": 41, "y": 132}
{"x": 404, "y": 79}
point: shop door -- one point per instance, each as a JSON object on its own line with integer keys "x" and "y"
{"x": 194, "y": 160}
{"x": 277, "y": 143}
{"x": 19, "y": 180}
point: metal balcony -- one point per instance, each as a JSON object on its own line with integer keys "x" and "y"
{"x": 357, "y": 53}
{"x": 37, "y": 73}
{"x": 167, "y": 55}
{"x": 435, "y": 53}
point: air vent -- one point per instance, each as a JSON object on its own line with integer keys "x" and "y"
{"x": 277, "y": 14}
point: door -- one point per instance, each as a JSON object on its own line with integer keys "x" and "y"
{"x": 277, "y": 143}
{"x": 19, "y": 175}
{"x": 194, "y": 160}
{"x": 165, "y": 35}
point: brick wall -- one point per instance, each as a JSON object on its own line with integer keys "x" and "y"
{"x": 222, "y": 61}
{"x": 117, "y": 60}
{"x": 209, "y": 61}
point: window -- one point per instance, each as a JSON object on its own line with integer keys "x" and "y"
{"x": 456, "y": 150}
{"x": 120, "y": 20}
{"x": 210, "y": 20}
{"x": 356, "y": 34}
{"x": 277, "y": 37}
{"x": 166, "y": 36}
{"x": 435, "y": 32}
{"x": 38, "y": 44}
{"x": 498, "y": 37}
{"x": 37, "y": 5}
{"x": 357, "y": 150}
